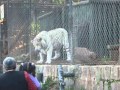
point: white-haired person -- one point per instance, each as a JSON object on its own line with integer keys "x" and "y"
{"x": 31, "y": 68}
{"x": 14, "y": 80}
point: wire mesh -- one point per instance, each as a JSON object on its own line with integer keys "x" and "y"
{"x": 92, "y": 26}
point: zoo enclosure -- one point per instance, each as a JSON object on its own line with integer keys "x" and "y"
{"x": 98, "y": 77}
{"x": 91, "y": 24}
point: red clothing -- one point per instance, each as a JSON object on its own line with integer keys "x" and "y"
{"x": 31, "y": 85}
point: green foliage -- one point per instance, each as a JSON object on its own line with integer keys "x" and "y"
{"x": 58, "y": 1}
{"x": 49, "y": 83}
{"x": 105, "y": 58}
{"x": 82, "y": 88}
{"x": 76, "y": 0}
{"x": 35, "y": 27}
{"x": 109, "y": 82}
{"x": 98, "y": 78}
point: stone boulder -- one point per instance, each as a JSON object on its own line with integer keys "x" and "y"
{"x": 84, "y": 55}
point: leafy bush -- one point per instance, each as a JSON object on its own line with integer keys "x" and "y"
{"x": 49, "y": 83}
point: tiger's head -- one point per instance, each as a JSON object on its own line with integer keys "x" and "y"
{"x": 39, "y": 44}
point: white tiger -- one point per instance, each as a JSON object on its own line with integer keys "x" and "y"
{"x": 51, "y": 41}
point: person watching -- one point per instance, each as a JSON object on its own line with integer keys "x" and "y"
{"x": 30, "y": 68}
{"x": 14, "y": 80}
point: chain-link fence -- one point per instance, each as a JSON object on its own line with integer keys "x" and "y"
{"x": 92, "y": 25}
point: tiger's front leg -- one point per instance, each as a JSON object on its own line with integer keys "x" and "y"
{"x": 41, "y": 55}
{"x": 49, "y": 55}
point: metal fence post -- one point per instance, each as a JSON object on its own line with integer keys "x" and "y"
{"x": 60, "y": 77}
{"x": 70, "y": 26}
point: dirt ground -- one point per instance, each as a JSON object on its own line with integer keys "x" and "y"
{"x": 82, "y": 56}
{"x": 75, "y": 62}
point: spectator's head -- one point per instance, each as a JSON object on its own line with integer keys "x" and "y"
{"x": 28, "y": 67}
{"x": 9, "y": 63}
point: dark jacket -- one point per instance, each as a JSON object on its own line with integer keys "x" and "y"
{"x": 13, "y": 80}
